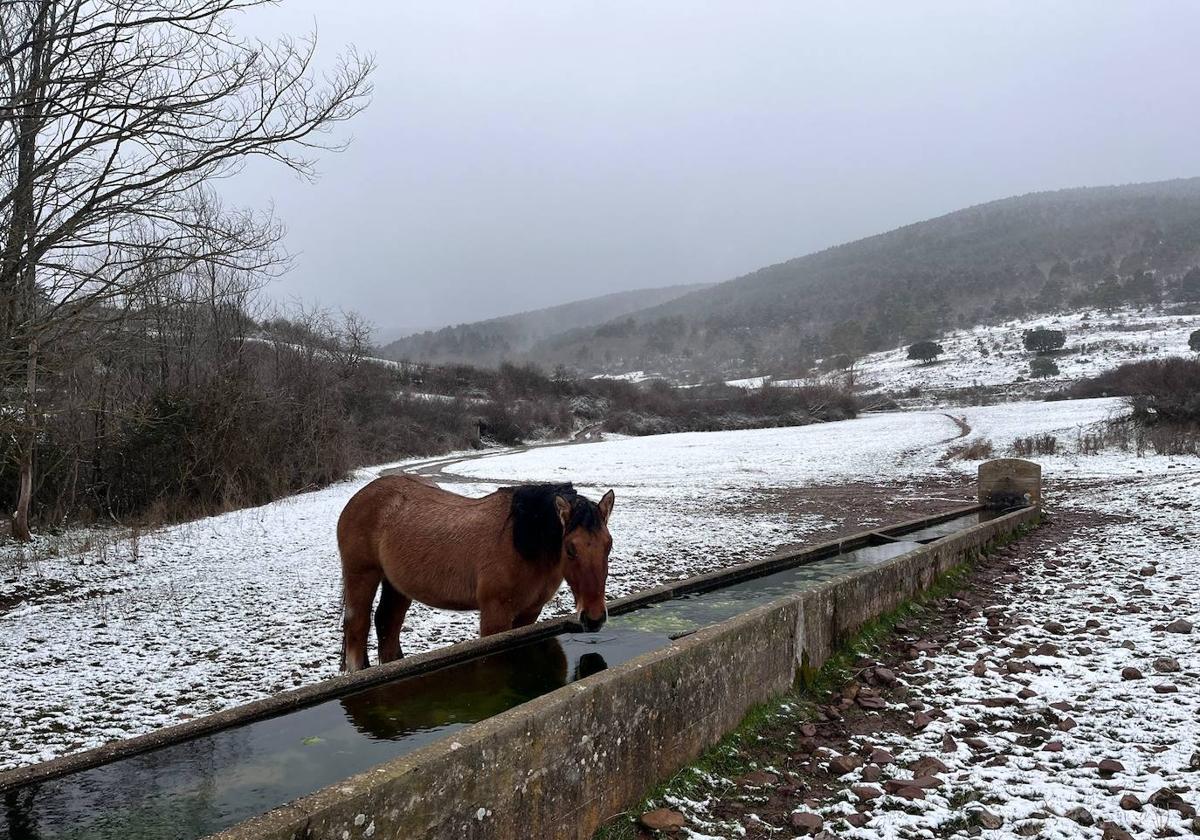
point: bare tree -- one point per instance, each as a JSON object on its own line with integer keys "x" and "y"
{"x": 114, "y": 116}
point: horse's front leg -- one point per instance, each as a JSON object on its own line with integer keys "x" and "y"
{"x": 495, "y": 617}
{"x": 527, "y": 617}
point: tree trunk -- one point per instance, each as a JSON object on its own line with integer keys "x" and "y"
{"x": 28, "y": 440}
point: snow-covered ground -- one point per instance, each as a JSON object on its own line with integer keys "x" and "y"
{"x": 995, "y": 356}
{"x": 140, "y": 633}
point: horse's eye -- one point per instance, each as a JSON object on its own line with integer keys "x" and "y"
{"x": 571, "y": 552}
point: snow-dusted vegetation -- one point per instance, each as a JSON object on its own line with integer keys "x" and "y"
{"x": 131, "y": 633}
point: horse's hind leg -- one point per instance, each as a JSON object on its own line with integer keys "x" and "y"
{"x": 389, "y": 618}
{"x": 358, "y": 591}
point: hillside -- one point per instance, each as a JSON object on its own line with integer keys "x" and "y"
{"x": 510, "y": 337}
{"x": 1033, "y": 253}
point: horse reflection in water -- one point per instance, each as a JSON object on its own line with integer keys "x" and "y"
{"x": 468, "y": 692}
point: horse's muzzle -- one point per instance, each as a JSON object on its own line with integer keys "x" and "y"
{"x": 591, "y": 625}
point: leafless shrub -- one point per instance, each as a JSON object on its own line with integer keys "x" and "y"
{"x": 1025, "y": 447}
{"x": 976, "y": 450}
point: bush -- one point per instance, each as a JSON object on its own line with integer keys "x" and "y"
{"x": 1038, "y": 445}
{"x": 925, "y": 351}
{"x": 1041, "y": 340}
{"x": 976, "y": 450}
{"x": 1159, "y": 391}
{"x": 1042, "y": 368}
{"x": 1194, "y": 341}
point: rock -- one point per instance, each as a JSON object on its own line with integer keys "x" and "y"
{"x": 1166, "y": 688}
{"x": 927, "y": 766}
{"x": 921, "y": 720}
{"x": 857, "y": 820}
{"x": 1054, "y": 627}
{"x": 948, "y": 744}
{"x": 662, "y": 819}
{"x": 1066, "y": 725}
{"x": 986, "y": 819}
{"x": 807, "y": 822}
{"x": 1194, "y": 761}
{"x": 1053, "y": 746}
{"x": 1029, "y": 829}
{"x": 894, "y": 785}
{"x": 866, "y": 792}
{"x": 808, "y": 730}
{"x": 975, "y": 743}
{"x": 1180, "y": 625}
{"x": 872, "y": 773}
{"x": 881, "y": 756}
{"x": 1026, "y": 693}
{"x": 1112, "y": 831}
{"x": 1062, "y": 706}
{"x": 1128, "y": 645}
{"x": 910, "y": 793}
{"x": 979, "y": 668}
{"x": 1129, "y": 802}
{"x": 871, "y": 701}
{"x": 843, "y": 764}
{"x": 1000, "y": 702}
{"x": 1046, "y": 649}
{"x": 885, "y": 675}
{"x": 1081, "y": 815}
{"x": 1148, "y": 571}
{"x": 1109, "y": 766}
{"x": 1130, "y": 673}
{"x": 1166, "y": 665}
{"x": 758, "y": 778}
{"x": 1170, "y": 799}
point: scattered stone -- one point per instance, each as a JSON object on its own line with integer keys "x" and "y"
{"x": 872, "y": 773}
{"x": 843, "y": 764}
{"x": 1026, "y": 693}
{"x": 1148, "y": 571}
{"x": 921, "y": 720}
{"x": 1066, "y": 725}
{"x": 910, "y": 793}
{"x": 1180, "y": 625}
{"x": 1030, "y": 829}
{"x": 927, "y": 766}
{"x": 1166, "y": 665}
{"x": 1054, "y": 627}
{"x": 1053, "y": 746}
{"x": 808, "y": 730}
{"x": 806, "y": 822}
{"x": 1000, "y": 702}
{"x": 986, "y": 819}
{"x": 1046, "y": 649}
{"x": 1194, "y": 761}
{"x": 866, "y": 792}
{"x": 948, "y": 744}
{"x": 1112, "y": 831}
{"x": 1166, "y": 688}
{"x": 975, "y": 743}
{"x": 758, "y": 778}
{"x": 662, "y": 819}
{"x": 871, "y": 701}
{"x": 885, "y": 675}
{"x": 881, "y": 757}
{"x": 979, "y": 668}
{"x": 1129, "y": 802}
{"x": 1130, "y": 673}
{"x": 857, "y": 820}
{"x": 1109, "y": 766}
{"x": 1081, "y": 815}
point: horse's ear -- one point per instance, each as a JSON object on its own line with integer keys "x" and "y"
{"x": 606, "y": 505}
{"x": 564, "y": 510}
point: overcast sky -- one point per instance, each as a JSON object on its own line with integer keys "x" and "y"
{"x": 518, "y": 155}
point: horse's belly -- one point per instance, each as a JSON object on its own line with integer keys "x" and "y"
{"x": 433, "y": 596}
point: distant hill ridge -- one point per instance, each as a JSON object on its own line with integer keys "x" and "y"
{"x": 1066, "y": 248}
{"x": 511, "y": 337}
{"x": 1071, "y": 248}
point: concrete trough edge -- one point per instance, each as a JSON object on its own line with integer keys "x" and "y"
{"x": 559, "y": 765}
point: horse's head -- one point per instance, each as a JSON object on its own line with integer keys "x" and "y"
{"x": 585, "y": 547}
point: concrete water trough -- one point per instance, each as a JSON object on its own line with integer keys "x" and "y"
{"x": 537, "y": 732}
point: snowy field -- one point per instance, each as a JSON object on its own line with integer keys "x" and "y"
{"x": 139, "y": 633}
{"x": 1096, "y": 341}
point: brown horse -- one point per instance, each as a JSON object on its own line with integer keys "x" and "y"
{"x": 505, "y": 555}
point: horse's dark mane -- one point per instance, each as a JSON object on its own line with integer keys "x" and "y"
{"x": 537, "y": 530}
